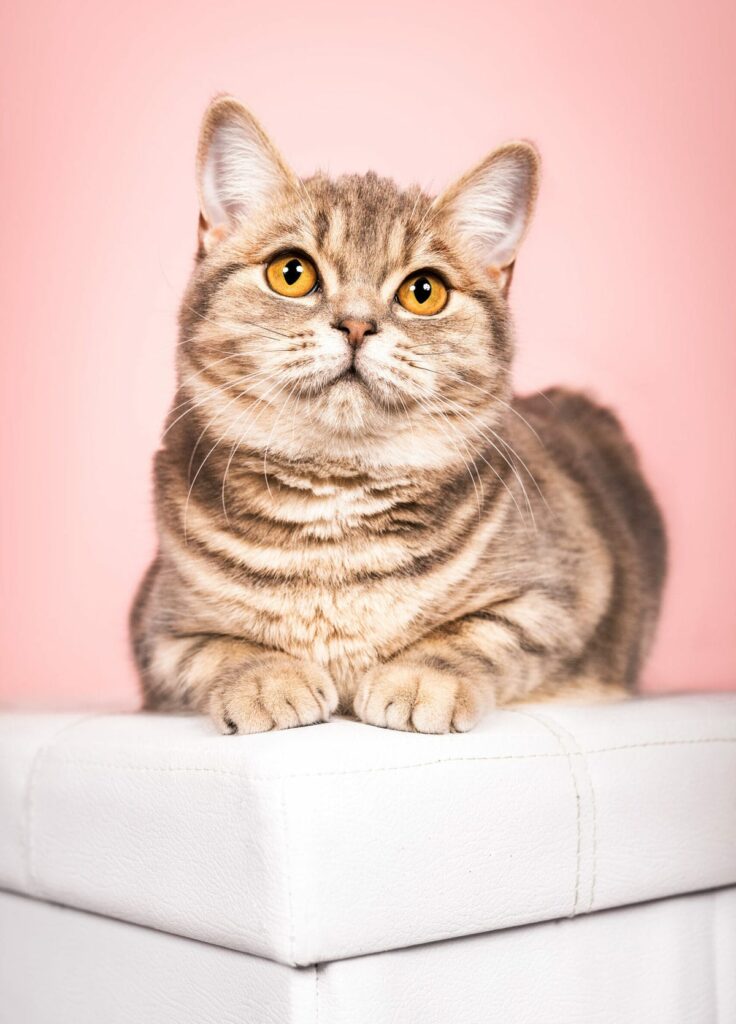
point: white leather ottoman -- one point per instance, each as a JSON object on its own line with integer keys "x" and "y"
{"x": 559, "y": 864}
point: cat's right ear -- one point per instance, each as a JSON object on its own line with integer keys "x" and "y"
{"x": 238, "y": 168}
{"x": 490, "y": 208}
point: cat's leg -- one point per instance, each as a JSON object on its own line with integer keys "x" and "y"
{"x": 243, "y": 686}
{"x": 446, "y": 680}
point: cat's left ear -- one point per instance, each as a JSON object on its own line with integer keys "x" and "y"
{"x": 238, "y": 169}
{"x": 490, "y": 207}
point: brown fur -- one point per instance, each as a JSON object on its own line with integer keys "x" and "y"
{"x": 411, "y": 546}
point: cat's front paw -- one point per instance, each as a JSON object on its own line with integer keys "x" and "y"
{"x": 418, "y": 697}
{"x": 275, "y": 691}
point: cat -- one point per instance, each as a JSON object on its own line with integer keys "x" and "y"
{"x": 354, "y": 512}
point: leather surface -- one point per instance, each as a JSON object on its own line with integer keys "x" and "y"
{"x": 61, "y": 966}
{"x": 337, "y": 840}
{"x": 669, "y": 962}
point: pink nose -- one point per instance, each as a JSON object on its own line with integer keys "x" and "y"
{"x": 356, "y": 330}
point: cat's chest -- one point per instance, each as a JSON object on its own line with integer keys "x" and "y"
{"x": 350, "y": 586}
{"x": 339, "y": 592}
{"x": 348, "y": 625}
{"x": 335, "y": 604}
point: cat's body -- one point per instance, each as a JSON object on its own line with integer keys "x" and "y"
{"x": 363, "y": 516}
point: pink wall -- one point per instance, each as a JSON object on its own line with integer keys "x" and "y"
{"x": 627, "y": 283}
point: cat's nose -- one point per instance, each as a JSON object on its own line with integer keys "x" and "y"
{"x": 356, "y": 330}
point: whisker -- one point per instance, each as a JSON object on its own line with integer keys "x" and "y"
{"x": 236, "y": 445}
{"x": 479, "y": 500}
{"x": 516, "y": 455}
{"x": 216, "y": 388}
{"x": 471, "y": 418}
{"x": 427, "y": 218}
{"x": 220, "y": 389}
{"x": 250, "y": 323}
{"x": 493, "y": 469}
{"x": 494, "y": 398}
{"x": 522, "y": 418}
{"x": 268, "y": 439}
{"x": 205, "y": 398}
{"x": 432, "y": 409}
{"x": 214, "y": 446}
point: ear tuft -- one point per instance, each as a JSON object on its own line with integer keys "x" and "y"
{"x": 238, "y": 167}
{"x": 491, "y": 206}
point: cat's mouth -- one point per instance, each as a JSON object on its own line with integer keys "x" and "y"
{"x": 359, "y": 385}
{"x": 350, "y": 375}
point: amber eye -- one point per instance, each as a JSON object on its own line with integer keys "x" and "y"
{"x": 292, "y": 275}
{"x": 423, "y": 293}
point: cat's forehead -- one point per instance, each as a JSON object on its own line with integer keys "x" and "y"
{"x": 367, "y": 226}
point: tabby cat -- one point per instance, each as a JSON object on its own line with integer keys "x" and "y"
{"x": 354, "y": 512}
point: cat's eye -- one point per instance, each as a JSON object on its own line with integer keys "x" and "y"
{"x": 424, "y": 293}
{"x": 292, "y": 275}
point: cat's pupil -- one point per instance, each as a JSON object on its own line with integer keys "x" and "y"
{"x": 422, "y": 289}
{"x": 293, "y": 271}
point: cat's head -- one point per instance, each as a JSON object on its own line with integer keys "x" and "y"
{"x": 347, "y": 316}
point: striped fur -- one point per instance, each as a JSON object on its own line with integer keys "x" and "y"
{"x": 411, "y": 546}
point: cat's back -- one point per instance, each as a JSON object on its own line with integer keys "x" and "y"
{"x": 587, "y": 442}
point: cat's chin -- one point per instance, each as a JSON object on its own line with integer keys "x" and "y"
{"x": 346, "y": 405}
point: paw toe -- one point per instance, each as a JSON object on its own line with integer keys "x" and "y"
{"x": 279, "y": 692}
{"x": 416, "y": 697}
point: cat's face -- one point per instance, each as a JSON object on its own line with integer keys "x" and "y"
{"x": 348, "y": 317}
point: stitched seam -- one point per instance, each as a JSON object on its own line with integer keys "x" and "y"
{"x": 594, "y": 812}
{"x": 594, "y": 808}
{"x": 287, "y": 871}
{"x": 661, "y": 743}
{"x": 578, "y": 827}
{"x": 28, "y": 802}
{"x": 593, "y": 802}
{"x": 83, "y": 762}
{"x": 300, "y": 775}
{"x": 563, "y": 732}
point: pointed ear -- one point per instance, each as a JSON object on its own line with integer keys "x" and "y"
{"x": 238, "y": 167}
{"x": 491, "y": 206}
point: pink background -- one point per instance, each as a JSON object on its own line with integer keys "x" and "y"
{"x": 627, "y": 283}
